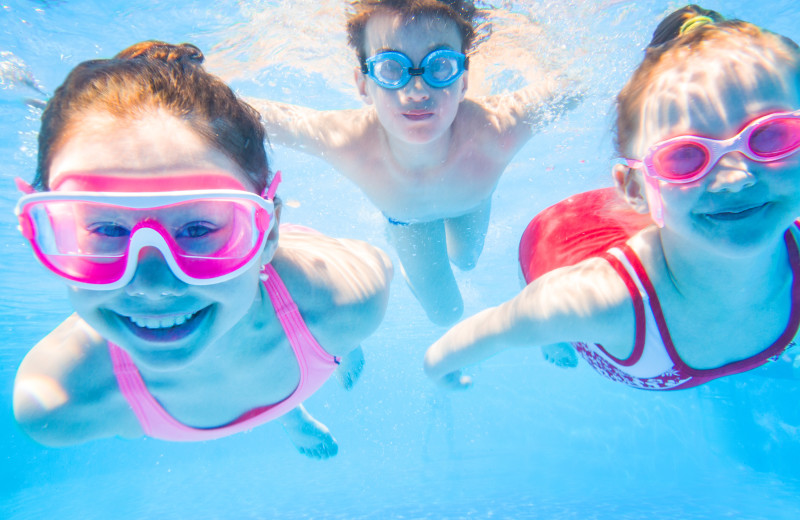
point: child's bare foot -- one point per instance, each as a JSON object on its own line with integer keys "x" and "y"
{"x": 309, "y": 436}
{"x": 561, "y": 355}
{"x": 350, "y": 367}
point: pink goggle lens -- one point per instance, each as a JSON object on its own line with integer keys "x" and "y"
{"x": 90, "y": 241}
{"x": 681, "y": 160}
{"x": 776, "y": 137}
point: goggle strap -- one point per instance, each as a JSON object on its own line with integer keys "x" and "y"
{"x": 269, "y": 194}
{"x": 23, "y": 186}
{"x": 654, "y": 204}
{"x": 633, "y": 163}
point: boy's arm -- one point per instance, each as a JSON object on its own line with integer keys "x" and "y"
{"x": 587, "y": 302}
{"x": 317, "y": 132}
{"x": 519, "y": 114}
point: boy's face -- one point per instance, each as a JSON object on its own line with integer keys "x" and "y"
{"x": 416, "y": 113}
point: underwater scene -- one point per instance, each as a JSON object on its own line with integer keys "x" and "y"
{"x": 528, "y": 439}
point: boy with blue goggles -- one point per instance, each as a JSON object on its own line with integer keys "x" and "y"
{"x": 427, "y": 156}
{"x": 393, "y": 70}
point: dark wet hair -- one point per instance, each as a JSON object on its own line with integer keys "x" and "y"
{"x": 462, "y": 12}
{"x": 690, "y": 28}
{"x": 156, "y": 75}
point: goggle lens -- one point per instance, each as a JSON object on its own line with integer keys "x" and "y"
{"x": 776, "y": 138}
{"x": 206, "y": 239}
{"x": 388, "y": 71}
{"x": 681, "y": 160}
{"x": 218, "y": 228}
{"x": 443, "y": 69}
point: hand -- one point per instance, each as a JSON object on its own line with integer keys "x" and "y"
{"x": 455, "y": 381}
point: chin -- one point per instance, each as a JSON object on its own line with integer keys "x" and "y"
{"x": 164, "y": 359}
{"x": 423, "y": 136}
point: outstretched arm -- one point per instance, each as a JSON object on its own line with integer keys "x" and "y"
{"x": 319, "y": 132}
{"x": 586, "y": 302}
{"x": 471, "y": 341}
{"x": 65, "y": 389}
{"x": 517, "y": 115}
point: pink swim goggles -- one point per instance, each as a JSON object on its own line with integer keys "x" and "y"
{"x": 688, "y": 158}
{"x": 89, "y": 232}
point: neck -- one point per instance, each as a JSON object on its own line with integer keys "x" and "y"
{"x": 732, "y": 281}
{"x": 420, "y": 156}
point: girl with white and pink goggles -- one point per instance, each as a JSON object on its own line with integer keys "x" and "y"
{"x": 154, "y": 202}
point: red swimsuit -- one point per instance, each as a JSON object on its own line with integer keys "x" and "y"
{"x": 597, "y": 223}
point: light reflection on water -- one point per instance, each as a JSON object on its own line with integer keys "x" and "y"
{"x": 528, "y": 440}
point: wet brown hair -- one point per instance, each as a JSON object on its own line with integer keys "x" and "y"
{"x": 154, "y": 75}
{"x": 461, "y": 12}
{"x": 684, "y": 35}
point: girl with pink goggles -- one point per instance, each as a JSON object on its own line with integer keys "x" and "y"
{"x": 91, "y": 234}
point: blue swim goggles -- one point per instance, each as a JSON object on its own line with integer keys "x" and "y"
{"x": 393, "y": 70}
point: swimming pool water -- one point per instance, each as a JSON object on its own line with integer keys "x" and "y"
{"x": 527, "y": 441}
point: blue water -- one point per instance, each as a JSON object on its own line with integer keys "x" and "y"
{"x": 528, "y": 441}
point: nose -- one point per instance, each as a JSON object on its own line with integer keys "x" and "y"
{"x": 416, "y": 89}
{"x": 732, "y": 173}
{"x": 153, "y": 278}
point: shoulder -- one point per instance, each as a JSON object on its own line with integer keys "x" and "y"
{"x": 496, "y": 121}
{"x": 588, "y": 301}
{"x": 341, "y": 286}
{"x": 65, "y": 391}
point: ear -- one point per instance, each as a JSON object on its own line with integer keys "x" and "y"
{"x": 272, "y": 238}
{"x": 630, "y": 184}
{"x": 361, "y": 84}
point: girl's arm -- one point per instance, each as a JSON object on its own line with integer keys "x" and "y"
{"x": 65, "y": 390}
{"x": 586, "y": 302}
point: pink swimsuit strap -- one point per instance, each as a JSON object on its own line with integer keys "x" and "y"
{"x": 315, "y": 364}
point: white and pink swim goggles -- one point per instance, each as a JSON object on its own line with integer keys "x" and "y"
{"x": 89, "y": 232}
{"x": 687, "y": 158}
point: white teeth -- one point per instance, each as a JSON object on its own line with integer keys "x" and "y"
{"x": 161, "y": 323}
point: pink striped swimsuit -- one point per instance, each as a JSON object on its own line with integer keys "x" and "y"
{"x": 654, "y": 363}
{"x": 316, "y": 366}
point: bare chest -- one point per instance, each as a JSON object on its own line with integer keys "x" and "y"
{"x": 450, "y": 189}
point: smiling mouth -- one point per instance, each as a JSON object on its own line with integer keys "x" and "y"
{"x": 164, "y": 328}
{"x": 737, "y": 214}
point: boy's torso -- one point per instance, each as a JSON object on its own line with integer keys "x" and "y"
{"x": 478, "y": 153}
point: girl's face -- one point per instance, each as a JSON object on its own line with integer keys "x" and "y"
{"x": 416, "y": 113}
{"x": 160, "y": 320}
{"x": 741, "y": 205}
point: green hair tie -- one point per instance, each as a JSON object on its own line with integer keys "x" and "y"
{"x": 693, "y": 23}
